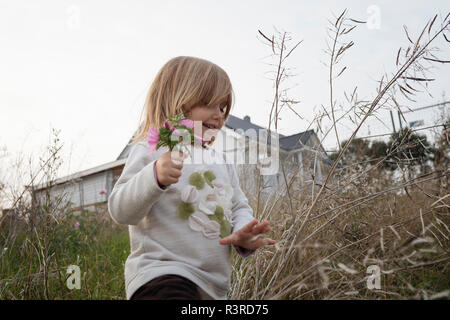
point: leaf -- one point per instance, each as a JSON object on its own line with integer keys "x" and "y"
{"x": 354, "y": 92}
{"x": 335, "y": 25}
{"x": 407, "y": 51}
{"x": 411, "y": 87}
{"x": 404, "y": 94}
{"x": 381, "y": 84}
{"x": 398, "y": 55}
{"x": 418, "y": 79}
{"x": 342, "y": 49}
{"x": 293, "y": 49}
{"x": 402, "y": 88}
{"x": 437, "y": 60}
{"x": 445, "y": 37}
{"x": 265, "y": 36}
{"x": 429, "y": 29}
{"x": 345, "y": 32}
{"x": 407, "y": 35}
{"x": 418, "y": 39}
{"x": 341, "y": 71}
{"x": 273, "y": 48}
{"x": 357, "y": 21}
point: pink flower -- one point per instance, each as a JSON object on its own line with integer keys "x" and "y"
{"x": 167, "y": 125}
{"x": 103, "y": 191}
{"x": 180, "y": 132}
{"x": 94, "y": 238}
{"x": 187, "y": 122}
{"x": 176, "y": 132}
{"x": 76, "y": 224}
{"x": 152, "y": 139}
{"x": 199, "y": 139}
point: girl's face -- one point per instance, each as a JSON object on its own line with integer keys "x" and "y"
{"x": 212, "y": 118}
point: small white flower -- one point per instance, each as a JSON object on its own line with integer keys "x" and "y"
{"x": 201, "y": 223}
{"x": 208, "y": 207}
{"x": 225, "y": 203}
{"x": 212, "y": 230}
{"x": 211, "y": 197}
{"x": 196, "y": 221}
{"x": 218, "y": 183}
{"x": 226, "y": 191}
{"x": 189, "y": 194}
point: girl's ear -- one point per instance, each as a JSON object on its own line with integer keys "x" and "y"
{"x": 186, "y": 113}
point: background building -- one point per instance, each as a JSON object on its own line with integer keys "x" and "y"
{"x": 302, "y": 154}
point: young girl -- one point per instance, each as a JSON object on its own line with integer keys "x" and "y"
{"x": 183, "y": 219}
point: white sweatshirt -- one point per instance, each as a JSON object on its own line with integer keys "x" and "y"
{"x": 176, "y": 230}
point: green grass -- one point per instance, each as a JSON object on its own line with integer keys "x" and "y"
{"x": 97, "y": 246}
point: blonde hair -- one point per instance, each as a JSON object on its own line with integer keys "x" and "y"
{"x": 182, "y": 83}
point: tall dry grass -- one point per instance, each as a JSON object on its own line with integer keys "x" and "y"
{"x": 331, "y": 233}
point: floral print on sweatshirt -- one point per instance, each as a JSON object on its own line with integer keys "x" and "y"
{"x": 206, "y": 204}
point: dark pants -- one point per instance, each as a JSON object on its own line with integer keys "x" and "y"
{"x": 168, "y": 287}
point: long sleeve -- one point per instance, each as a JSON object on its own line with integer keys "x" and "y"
{"x": 136, "y": 190}
{"x": 243, "y": 252}
{"x": 242, "y": 212}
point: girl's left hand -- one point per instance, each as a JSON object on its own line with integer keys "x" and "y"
{"x": 250, "y": 236}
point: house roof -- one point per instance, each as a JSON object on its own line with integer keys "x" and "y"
{"x": 295, "y": 141}
{"x": 288, "y": 143}
{"x": 126, "y": 151}
{"x": 84, "y": 173}
{"x": 244, "y": 124}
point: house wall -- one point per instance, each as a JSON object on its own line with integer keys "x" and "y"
{"x": 301, "y": 166}
{"x": 81, "y": 193}
{"x": 246, "y": 154}
{"x": 92, "y": 185}
{"x": 60, "y": 195}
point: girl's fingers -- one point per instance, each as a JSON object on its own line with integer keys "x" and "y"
{"x": 265, "y": 241}
{"x": 228, "y": 240}
{"x": 178, "y": 158}
{"x": 249, "y": 226}
{"x": 261, "y": 228}
{"x": 256, "y": 231}
{"x": 256, "y": 238}
{"x": 251, "y": 232}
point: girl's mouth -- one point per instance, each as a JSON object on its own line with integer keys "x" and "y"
{"x": 207, "y": 126}
{"x": 211, "y": 132}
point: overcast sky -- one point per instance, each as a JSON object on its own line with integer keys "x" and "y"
{"x": 84, "y": 67}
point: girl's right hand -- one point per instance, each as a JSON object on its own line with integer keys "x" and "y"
{"x": 168, "y": 167}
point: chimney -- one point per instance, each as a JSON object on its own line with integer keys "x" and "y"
{"x": 247, "y": 118}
